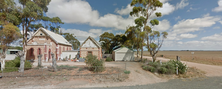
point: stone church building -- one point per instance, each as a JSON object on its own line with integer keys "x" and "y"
{"x": 46, "y": 42}
{"x": 90, "y": 46}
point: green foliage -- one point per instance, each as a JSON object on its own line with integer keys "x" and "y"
{"x": 144, "y": 9}
{"x": 13, "y": 65}
{"x": 126, "y": 72}
{"x": 72, "y": 39}
{"x": 94, "y": 64}
{"x": 166, "y": 67}
{"x": 109, "y": 41}
{"x": 109, "y": 59}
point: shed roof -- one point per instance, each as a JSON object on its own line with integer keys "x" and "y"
{"x": 122, "y": 48}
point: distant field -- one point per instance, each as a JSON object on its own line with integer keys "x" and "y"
{"x": 206, "y": 57}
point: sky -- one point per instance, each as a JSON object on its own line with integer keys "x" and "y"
{"x": 191, "y": 24}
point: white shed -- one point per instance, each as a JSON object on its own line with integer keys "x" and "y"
{"x": 123, "y": 54}
{"x": 71, "y": 53}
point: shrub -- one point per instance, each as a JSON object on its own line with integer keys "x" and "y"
{"x": 126, "y": 72}
{"x": 166, "y": 67}
{"x": 163, "y": 70}
{"x": 94, "y": 64}
{"x": 13, "y": 65}
{"x": 152, "y": 69}
{"x": 109, "y": 59}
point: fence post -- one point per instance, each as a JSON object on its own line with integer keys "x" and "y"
{"x": 53, "y": 62}
{"x": 177, "y": 68}
{"x": 125, "y": 65}
{"x": 39, "y": 60}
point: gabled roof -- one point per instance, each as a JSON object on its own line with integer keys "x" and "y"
{"x": 59, "y": 39}
{"x": 121, "y": 48}
{"x": 93, "y": 40}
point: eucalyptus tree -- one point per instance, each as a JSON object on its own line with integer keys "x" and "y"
{"x": 144, "y": 10}
{"x": 72, "y": 39}
{"x": 33, "y": 16}
{"x": 9, "y": 32}
{"x": 134, "y": 39}
{"x": 106, "y": 41}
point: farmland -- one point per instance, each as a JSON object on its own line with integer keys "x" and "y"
{"x": 205, "y": 57}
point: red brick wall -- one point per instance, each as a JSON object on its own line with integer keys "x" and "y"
{"x": 44, "y": 43}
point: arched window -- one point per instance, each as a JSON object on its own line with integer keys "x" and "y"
{"x": 31, "y": 52}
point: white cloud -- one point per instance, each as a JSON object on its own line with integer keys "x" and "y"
{"x": 163, "y": 25}
{"x": 166, "y": 9}
{"x": 124, "y": 11}
{"x": 177, "y": 18}
{"x": 111, "y": 20}
{"x": 192, "y": 9}
{"x": 220, "y": 22}
{"x": 188, "y": 36}
{"x": 191, "y": 25}
{"x": 96, "y": 31}
{"x": 217, "y": 27}
{"x": 180, "y": 42}
{"x": 72, "y": 11}
{"x": 215, "y": 37}
{"x": 182, "y": 4}
{"x": 163, "y": 1}
{"x": 80, "y": 11}
{"x": 80, "y": 35}
{"x": 219, "y": 8}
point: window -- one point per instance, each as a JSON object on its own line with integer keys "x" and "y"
{"x": 39, "y": 51}
{"x": 89, "y": 52}
{"x": 40, "y": 34}
{"x": 31, "y": 52}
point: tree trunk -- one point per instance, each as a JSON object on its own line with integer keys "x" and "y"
{"x": 137, "y": 54}
{"x": 142, "y": 51}
{"x": 154, "y": 57}
{"x": 22, "y": 61}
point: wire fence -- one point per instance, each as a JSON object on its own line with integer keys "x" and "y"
{"x": 62, "y": 70}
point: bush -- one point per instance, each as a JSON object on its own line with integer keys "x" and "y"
{"x": 163, "y": 70}
{"x": 13, "y": 65}
{"x": 94, "y": 64}
{"x": 126, "y": 72}
{"x": 166, "y": 67}
{"x": 109, "y": 59}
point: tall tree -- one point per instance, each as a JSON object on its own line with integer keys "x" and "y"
{"x": 133, "y": 38}
{"x": 71, "y": 38}
{"x": 144, "y": 9}
{"x": 33, "y": 16}
{"x": 8, "y": 21}
{"x": 8, "y": 34}
{"x": 106, "y": 40}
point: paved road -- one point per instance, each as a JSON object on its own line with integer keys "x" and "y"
{"x": 199, "y": 83}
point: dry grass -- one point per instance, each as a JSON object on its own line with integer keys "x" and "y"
{"x": 205, "y": 57}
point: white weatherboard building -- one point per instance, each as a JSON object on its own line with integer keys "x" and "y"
{"x": 123, "y": 54}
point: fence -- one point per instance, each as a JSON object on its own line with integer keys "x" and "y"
{"x": 62, "y": 70}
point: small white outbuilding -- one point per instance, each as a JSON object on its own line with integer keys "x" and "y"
{"x": 70, "y": 53}
{"x": 123, "y": 54}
